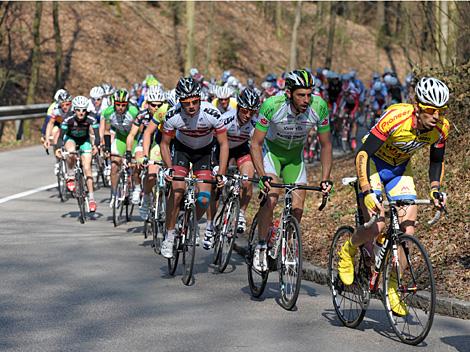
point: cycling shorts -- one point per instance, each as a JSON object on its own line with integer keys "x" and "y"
{"x": 397, "y": 180}
{"x": 118, "y": 147}
{"x": 83, "y": 144}
{"x": 154, "y": 154}
{"x": 241, "y": 154}
{"x": 199, "y": 158}
{"x": 286, "y": 164}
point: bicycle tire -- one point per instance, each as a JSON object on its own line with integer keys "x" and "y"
{"x": 189, "y": 246}
{"x": 417, "y": 291}
{"x": 61, "y": 184}
{"x": 230, "y": 234}
{"x": 118, "y": 204}
{"x": 173, "y": 261}
{"x": 80, "y": 195}
{"x": 256, "y": 280}
{"x": 290, "y": 265}
{"x": 217, "y": 236}
{"x": 350, "y": 302}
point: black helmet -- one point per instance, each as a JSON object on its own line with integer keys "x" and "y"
{"x": 121, "y": 96}
{"x": 188, "y": 87}
{"x": 249, "y": 99}
{"x": 299, "y": 79}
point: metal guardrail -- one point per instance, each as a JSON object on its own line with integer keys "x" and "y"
{"x": 20, "y": 113}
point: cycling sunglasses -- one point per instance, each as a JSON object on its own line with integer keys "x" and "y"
{"x": 120, "y": 104}
{"x": 80, "y": 110}
{"x": 155, "y": 105}
{"x": 431, "y": 109}
{"x": 66, "y": 103}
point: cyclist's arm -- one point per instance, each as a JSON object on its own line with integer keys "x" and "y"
{"x": 436, "y": 166}
{"x": 50, "y": 126}
{"x": 45, "y": 124}
{"x": 326, "y": 154}
{"x": 131, "y": 136}
{"x": 370, "y": 146}
{"x": 165, "y": 149}
{"x": 223, "y": 151}
{"x": 257, "y": 141}
{"x": 147, "y": 139}
{"x": 96, "y": 131}
{"x": 63, "y": 130}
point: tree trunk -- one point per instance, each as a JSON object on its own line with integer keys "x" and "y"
{"x": 209, "y": 38}
{"x": 278, "y": 19}
{"x": 35, "y": 62}
{"x": 58, "y": 45}
{"x": 331, "y": 34}
{"x": 463, "y": 39}
{"x": 190, "y": 9}
{"x": 380, "y": 30}
{"x": 444, "y": 35}
{"x": 175, "y": 9}
{"x": 293, "y": 44}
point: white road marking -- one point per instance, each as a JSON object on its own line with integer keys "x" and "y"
{"x": 27, "y": 193}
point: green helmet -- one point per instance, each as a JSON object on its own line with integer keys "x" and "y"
{"x": 299, "y": 79}
{"x": 121, "y": 96}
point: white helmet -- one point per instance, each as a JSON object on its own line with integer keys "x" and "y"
{"x": 59, "y": 93}
{"x": 155, "y": 95}
{"x": 232, "y": 82}
{"x": 432, "y": 91}
{"x": 171, "y": 97}
{"x": 96, "y": 92}
{"x": 224, "y": 92}
{"x": 80, "y": 102}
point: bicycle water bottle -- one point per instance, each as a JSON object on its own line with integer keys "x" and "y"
{"x": 378, "y": 254}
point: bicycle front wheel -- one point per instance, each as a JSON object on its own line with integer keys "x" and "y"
{"x": 189, "y": 245}
{"x": 159, "y": 220}
{"x": 290, "y": 268}
{"x": 61, "y": 184}
{"x": 256, "y": 279}
{"x": 229, "y": 232}
{"x": 81, "y": 196}
{"x": 118, "y": 205}
{"x": 350, "y": 301}
{"x": 409, "y": 291}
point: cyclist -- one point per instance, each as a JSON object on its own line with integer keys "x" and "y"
{"x": 192, "y": 123}
{"x": 75, "y": 133}
{"x": 50, "y": 109}
{"x": 239, "y": 124}
{"x": 97, "y": 102}
{"x": 384, "y": 160}
{"x": 119, "y": 118}
{"x": 276, "y": 148}
{"x": 147, "y": 123}
{"x": 348, "y": 103}
{"x": 224, "y": 101}
{"x": 58, "y": 114}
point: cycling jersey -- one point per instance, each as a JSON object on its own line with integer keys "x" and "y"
{"x": 197, "y": 131}
{"x": 120, "y": 123}
{"x": 78, "y": 131}
{"x": 397, "y": 129}
{"x": 236, "y": 134}
{"x": 232, "y": 105}
{"x": 58, "y": 115}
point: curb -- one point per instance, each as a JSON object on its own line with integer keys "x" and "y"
{"x": 452, "y": 307}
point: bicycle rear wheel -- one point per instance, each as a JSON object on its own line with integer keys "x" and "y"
{"x": 229, "y": 233}
{"x": 256, "y": 279}
{"x": 189, "y": 245}
{"x": 290, "y": 264}
{"x": 159, "y": 220}
{"x": 218, "y": 237}
{"x": 177, "y": 246}
{"x": 118, "y": 205}
{"x": 61, "y": 184}
{"x": 81, "y": 196}
{"x": 350, "y": 302}
{"x": 413, "y": 281}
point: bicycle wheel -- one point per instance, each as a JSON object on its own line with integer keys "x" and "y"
{"x": 290, "y": 268}
{"x": 256, "y": 279}
{"x": 119, "y": 201}
{"x": 350, "y": 302}
{"x": 80, "y": 195}
{"x": 173, "y": 261}
{"x": 189, "y": 245}
{"x": 218, "y": 224}
{"x": 413, "y": 280}
{"x": 229, "y": 232}
{"x": 159, "y": 220}
{"x": 61, "y": 184}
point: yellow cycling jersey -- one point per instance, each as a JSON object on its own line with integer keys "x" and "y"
{"x": 159, "y": 116}
{"x": 51, "y": 108}
{"x": 397, "y": 129}
{"x": 232, "y": 103}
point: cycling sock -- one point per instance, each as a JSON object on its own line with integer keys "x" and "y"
{"x": 137, "y": 188}
{"x": 91, "y": 196}
{"x": 170, "y": 235}
{"x": 210, "y": 225}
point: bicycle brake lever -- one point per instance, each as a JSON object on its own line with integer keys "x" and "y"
{"x": 323, "y": 202}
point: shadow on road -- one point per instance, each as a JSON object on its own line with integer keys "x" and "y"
{"x": 460, "y": 342}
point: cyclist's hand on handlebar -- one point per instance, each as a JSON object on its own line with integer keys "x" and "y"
{"x": 58, "y": 153}
{"x": 439, "y": 198}
{"x": 168, "y": 174}
{"x": 326, "y": 186}
{"x": 372, "y": 203}
{"x": 128, "y": 156}
{"x": 94, "y": 149}
{"x": 47, "y": 143}
{"x": 221, "y": 179}
{"x": 145, "y": 161}
{"x": 264, "y": 184}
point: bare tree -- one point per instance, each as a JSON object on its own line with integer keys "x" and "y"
{"x": 190, "y": 9}
{"x": 209, "y": 37}
{"x": 58, "y": 45}
{"x": 331, "y": 33}
{"x": 293, "y": 44}
{"x": 175, "y": 7}
{"x": 278, "y": 19}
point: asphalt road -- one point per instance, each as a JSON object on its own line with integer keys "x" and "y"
{"x": 72, "y": 287}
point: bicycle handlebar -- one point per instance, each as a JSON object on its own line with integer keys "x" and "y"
{"x": 197, "y": 180}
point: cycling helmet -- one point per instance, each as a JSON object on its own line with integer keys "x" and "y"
{"x": 121, "y": 96}
{"x": 155, "y": 95}
{"x": 271, "y": 77}
{"x": 299, "y": 79}
{"x": 317, "y": 83}
{"x": 224, "y": 92}
{"x": 80, "y": 102}
{"x": 353, "y": 74}
{"x": 250, "y": 82}
{"x": 388, "y": 79}
{"x": 204, "y": 95}
{"x": 375, "y": 76}
{"x": 58, "y": 93}
{"x": 193, "y": 71}
{"x": 96, "y": 92}
{"x": 332, "y": 75}
{"x": 409, "y": 78}
{"x": 249, "y": 99}
{"x": 225, "y": 76}
{"x": 171, "y": 98}
{"x": 64, "y": 96}
{"x": 281, "y": 83}
{"x": 187, "y": 87}
{"x": 108, "y": 89}
{"x": 377, "y": 86}
{"x": 393, "y": 81}
{"x": 232, "y": 82}
{"x": 432, "y": 91}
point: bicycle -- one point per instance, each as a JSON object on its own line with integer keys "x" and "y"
{"x": 185, "y": 239}
{"x": 287, "y": 242}
{"x": 121, "y": 194}
{"x": 99, "y": 164}
{"x": 401, "y": 259}
{"x": 80, "y": 192}
{"x": 226, "y": 221}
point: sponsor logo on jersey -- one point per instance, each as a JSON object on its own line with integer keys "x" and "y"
{"x": 264, "y": 121}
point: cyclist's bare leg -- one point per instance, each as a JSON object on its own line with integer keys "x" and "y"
{"x": 86, "y": 162}
{"x": 203, "y": 203}
{"x": 363, "y": 235}
{"x": 298, "y": 200}
{"x": 248, "y": 169}
{"x": 70, "y": 147}
{"x": 265, "y": 214}
{"x": 176, "y": 196}
{"x": 407, "y": 218}
{"x": 151, "y": 178}
{"x": 115, "y": 167}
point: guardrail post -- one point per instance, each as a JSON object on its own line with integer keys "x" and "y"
{"x": 19, "y": 129}
{"x": 2, "y": 124}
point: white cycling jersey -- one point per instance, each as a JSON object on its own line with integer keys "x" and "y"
{"x": 197, "y": 131}
{"x": 237, "y": 135}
